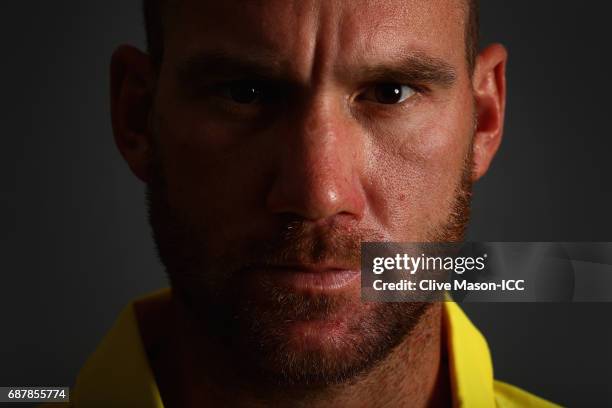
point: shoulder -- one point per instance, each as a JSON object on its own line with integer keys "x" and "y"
{"x": 509, "y": 396}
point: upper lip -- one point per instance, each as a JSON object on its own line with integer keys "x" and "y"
{"x": 306, "y": 267}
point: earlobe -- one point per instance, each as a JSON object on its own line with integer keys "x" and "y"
{"x": 489, "y": 86}
{"x": 131, "y": 104}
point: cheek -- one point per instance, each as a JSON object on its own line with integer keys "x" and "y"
{"x": 415, "y": 170}
{"x": 213, "y": 173}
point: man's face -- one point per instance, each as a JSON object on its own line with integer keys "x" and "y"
{"x": 287, "y": 132}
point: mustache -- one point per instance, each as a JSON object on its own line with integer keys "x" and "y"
{"x": 303, "y": 243}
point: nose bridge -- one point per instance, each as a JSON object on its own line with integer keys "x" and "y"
{"x": 323, "y": 147}
{"x": 321, "y": 134}
{"x": 319, "y": 173}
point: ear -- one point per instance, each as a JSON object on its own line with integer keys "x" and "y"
{"x": 132, "y": 80}
{"x": 489, "y": 85}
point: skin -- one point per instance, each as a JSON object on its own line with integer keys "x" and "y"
{"x": 325, "y": 154}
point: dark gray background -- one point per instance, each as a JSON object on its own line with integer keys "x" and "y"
{"x": 75, "y": 245}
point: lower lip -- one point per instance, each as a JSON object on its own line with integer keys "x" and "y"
{"x": 314, "y": 281}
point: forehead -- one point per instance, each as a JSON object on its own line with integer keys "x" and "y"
{"x": 309, "y": 33}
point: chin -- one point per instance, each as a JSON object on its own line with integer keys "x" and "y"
{"x": 329, "y": 334}
{"x": 334, "y": 346}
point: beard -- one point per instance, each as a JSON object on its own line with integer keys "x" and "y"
{"x": 281, "y": 337}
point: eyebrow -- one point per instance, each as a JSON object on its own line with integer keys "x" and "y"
{"x": 218, "y": 64}
{"x": 416, "y": 68}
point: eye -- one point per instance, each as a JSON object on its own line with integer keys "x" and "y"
{"x": 388, "y": 94}
{"x": 243, "y": 92}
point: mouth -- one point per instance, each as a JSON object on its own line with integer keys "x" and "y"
{"x": 310, "y": 279}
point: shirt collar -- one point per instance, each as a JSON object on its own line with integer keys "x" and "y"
{"x": 471, "y": 369}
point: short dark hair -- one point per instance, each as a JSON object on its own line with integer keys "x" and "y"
{"x": 153, "y": 11}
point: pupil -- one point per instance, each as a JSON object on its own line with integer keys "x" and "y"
{"x": 388, "y": 93}
{"x": 244, "y": 93}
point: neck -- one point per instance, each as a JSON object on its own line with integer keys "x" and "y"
{"x": 191, "y": 371}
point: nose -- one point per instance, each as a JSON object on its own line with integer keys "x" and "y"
{"x": 318, "y": 174}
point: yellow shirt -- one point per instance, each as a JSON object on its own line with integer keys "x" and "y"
{"x": 118, "y": 374}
